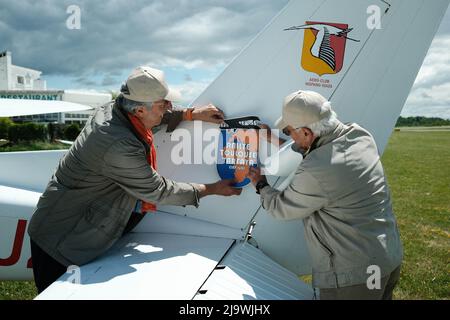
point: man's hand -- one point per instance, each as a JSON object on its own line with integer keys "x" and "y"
{"x": 220, "y": 188}
{"x": 255, "y": 175}
{"x": 208, "y": 113}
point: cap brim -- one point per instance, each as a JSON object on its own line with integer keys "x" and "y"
{"x": 280, "y": 124}
{"x": 173, "y": 95}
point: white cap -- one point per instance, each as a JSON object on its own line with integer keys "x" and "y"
{"x": 303, "y": 108}
{"x": 148, "y": 85}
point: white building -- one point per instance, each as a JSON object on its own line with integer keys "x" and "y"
{"x": 18, "y": 78}
{"x": 24, "y": 83}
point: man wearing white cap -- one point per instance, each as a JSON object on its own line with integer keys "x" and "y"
{"x": 341, "y": 193}
{"x": 108, "y": 180}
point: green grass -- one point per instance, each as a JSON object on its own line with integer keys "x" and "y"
{"x": 17, "y": 290}
{"x": 34, "y": 146}
{"x": 417, "y": 166}
{"x": 423, "y": 129}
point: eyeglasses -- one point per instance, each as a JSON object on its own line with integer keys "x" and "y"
{"x": 288, "y": 132}
{"x": 167, "y": 105}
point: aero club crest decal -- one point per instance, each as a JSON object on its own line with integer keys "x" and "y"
{"x": 324, "y": 45}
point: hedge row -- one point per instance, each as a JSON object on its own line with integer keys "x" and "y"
{"x": 16, "y": 132}
{"x": 27, "y": 132}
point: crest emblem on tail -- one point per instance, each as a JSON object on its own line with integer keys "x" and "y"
{"x": 324, "y": 46}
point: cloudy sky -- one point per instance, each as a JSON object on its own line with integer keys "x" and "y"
{"x": 192, "y": 40}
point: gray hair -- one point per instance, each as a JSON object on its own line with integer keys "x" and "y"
{"x": 131, "y": 106}
{"x": 327, "y": 125}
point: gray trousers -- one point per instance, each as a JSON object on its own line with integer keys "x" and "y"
{"x": 361, "y": 292}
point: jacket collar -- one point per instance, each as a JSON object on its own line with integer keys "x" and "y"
{"x": 120, "y": 114}
{"x": 326, "y": 139}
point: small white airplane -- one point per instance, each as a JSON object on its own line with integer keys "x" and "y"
{"x": 231, "y": 248}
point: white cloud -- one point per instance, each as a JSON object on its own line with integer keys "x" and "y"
{"x": 436, "y": 95}
{"x": 120, "y": 34}
{"x": 161, "y": 61}
{"x": 436, "y": 67}
{"x": 193, "y": 37}
{"x": 431, "y": 92}
{"x": 191, "y": 90}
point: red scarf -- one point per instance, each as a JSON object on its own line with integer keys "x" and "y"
{"x": 147, "y": 136}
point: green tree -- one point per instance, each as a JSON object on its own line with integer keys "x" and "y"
{"x": 27, "y": 132}
{"x": 422, "y": 122}
{"x": 71, "y": 132}
{"x": 5, "y": 123}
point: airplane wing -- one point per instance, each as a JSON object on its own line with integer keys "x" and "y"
{"x": 28, "y": 170}
{"x": 145, "y": 266}
{"x": 173, "y": 266}
{"x": 16, "y": 107}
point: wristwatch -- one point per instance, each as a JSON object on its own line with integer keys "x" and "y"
{"x": 187, "y": 116}
{"x": 261, "y": 185}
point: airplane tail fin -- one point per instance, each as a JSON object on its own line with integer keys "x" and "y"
{"x": 369, "y": 85}
{"x": 372, "y": 79}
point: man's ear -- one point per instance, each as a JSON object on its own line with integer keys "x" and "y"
{"x": 308, "y": 132}
{"x": 140, "y": 112}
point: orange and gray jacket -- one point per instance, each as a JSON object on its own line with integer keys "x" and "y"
{"x": 341, "y": 193}
{"x": 91, "y": 196}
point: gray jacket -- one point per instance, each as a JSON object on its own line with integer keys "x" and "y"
{"x": 340, "y": 192}
{"x": 91, "y": 196}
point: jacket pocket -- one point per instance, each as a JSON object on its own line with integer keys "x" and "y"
{"x": 106, "y": 219}
{"x": 84, "y": 244}
{"x": 324, "y": 247}
{"x": 93, "y": 234}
